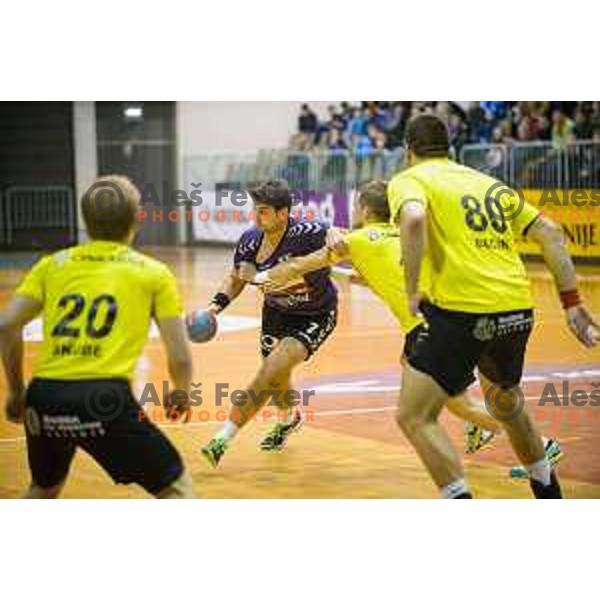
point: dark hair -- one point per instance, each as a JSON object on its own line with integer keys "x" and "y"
{"x": 427, "y": 136}
{"x": 373, "y": 195}
{"x": 275, "y": 193}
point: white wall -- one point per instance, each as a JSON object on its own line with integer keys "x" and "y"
{"x": 234, "y": 127}
{"x": 212, "y": 127}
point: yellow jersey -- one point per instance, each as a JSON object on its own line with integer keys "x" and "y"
{"x": 475, "y": 265}
{"x": 375, "y": 253}
{"x": 98, "y": 300}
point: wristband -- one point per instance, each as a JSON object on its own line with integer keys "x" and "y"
{"x": 221, "y": 300}
{"x": 569, "y": 299}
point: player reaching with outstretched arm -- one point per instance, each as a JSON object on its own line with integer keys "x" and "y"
{"x": 295, "y": 322}
{"x": 373, "y": 249}
{"x": 479, "y": 308}
{"x": 97, "y": 300}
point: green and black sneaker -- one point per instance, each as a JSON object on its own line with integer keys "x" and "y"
{"x": 476, "y": 438}
{"x": 214, "y": 450}
{"x": 277, "y": 437}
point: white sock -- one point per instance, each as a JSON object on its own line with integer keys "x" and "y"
{"x": 540, "y": 471}
{"x": 228, "y": 431}
{"x": 454, "y": 489}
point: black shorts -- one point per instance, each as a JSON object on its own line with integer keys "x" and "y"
{"x": 410, "y": 339}
{"x": 102, "y": 418}
{"x": 310, "y": 330}
{"x": 452, "y": 344}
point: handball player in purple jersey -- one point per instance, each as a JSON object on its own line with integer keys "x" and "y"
{"x": 296, "y": 321}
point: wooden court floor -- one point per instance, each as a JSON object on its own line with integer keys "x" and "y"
{"x": 350, "y": 446}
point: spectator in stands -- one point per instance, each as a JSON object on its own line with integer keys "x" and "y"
{"x": 334, "y": 114}
{"x": 394, "y": 117}
{"x": 457, "y": 132}
{"x": 346, "y": 112}
{"x": 357, "y": 125}
{"x": 476, "y": 123}
{"x": 337, "y": 123}
{"x": 336, "y": 141}
{"x": 595, "y": 158}
{"x": 381, "y": 115}
{"x": 531, "y": 125}
{"x": 495, "y": 156}
{"x": 496, "y": 108}
{"x": 308, "y": 125}
{"x": 562, "y": 130}
{"x": 334, "y": 171}
{"x": 396, "y": 123}
{"x": 497, "y": 135}
{"x": 595, "y": 115}
{"x": 506, "y": 128}
{"x": 379, "y": 138}
{"x": 583, "y": 129}
{"x": 363, "y": 145}
{"x": 307, "y": 121}
{"x": 568, "y": 108}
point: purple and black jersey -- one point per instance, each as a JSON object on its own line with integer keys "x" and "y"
{"x": 317, "y": 294}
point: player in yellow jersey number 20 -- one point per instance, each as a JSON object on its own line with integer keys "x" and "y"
{"x": 97, "y": 300}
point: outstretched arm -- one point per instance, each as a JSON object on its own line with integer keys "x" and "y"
{"x": 287, "y": 273}
{"x": 550, "y": 237}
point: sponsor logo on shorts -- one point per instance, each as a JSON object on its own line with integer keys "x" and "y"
{"x": 70, "y": 426}
{"x": 488, "y": 328}
{"x": 513, "y": 323}
{"x": 485, "y": 329}
{"x": 61, "y": 426}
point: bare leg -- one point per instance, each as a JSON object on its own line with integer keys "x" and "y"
{"x": 469, "y": 409}
{"x": 279, "y": 407}
{"x": 421, "y": 400}
{"x": 524, "y": 436}
{"x": 275, "y": 373}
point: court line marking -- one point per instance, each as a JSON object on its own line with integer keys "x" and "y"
{"x": 11, "y": 440}
{"x": 321, "y": 413}
{"x": 324, "y": 413}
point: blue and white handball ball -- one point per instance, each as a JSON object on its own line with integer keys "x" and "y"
{"x": 201, "y": 326}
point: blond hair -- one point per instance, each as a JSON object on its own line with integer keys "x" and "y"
{"x": 109, "y": 207}
{"x": 373, "y": 194}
